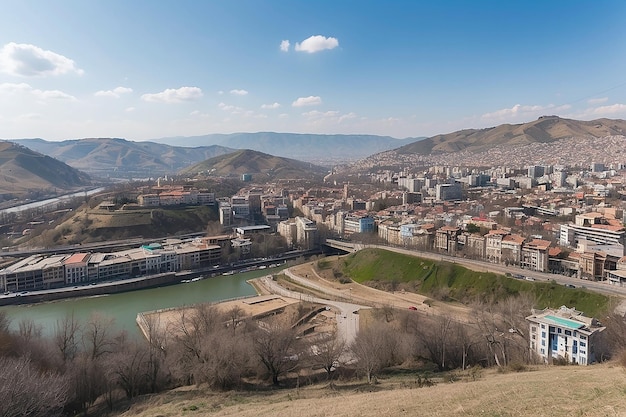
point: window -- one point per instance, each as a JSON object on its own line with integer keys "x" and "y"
{"x": 543, "y": 343}
{"x": 543, "y": 351}
{"x": 559, "y": 330}
{"x": 583, "y": 337}
{"x": 543, "y": 326}
{"x": 533, "y": 329}
{"x": 568, "y": 332}
{"x": 543, "y": 335}
{"x": 583, "y": 344}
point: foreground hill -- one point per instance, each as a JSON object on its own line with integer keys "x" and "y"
{"x": 23, "y": 170}
{"x": 262, "y": 166}
{"x": 545, "y": 129}
{"x": 596, "y": 390}
{"x": 120, "y": 157}
{"x": 304, "y": 147}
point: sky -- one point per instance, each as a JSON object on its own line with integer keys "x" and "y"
{"x": 142, "y": 70}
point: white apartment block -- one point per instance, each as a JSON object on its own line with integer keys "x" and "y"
{"x": 564, "y": 334}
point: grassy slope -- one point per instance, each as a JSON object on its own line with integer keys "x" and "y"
{"x": 428, "y": 277}
{"x": 598, "y": 390}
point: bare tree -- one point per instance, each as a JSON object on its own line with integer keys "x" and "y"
{"x": 66, "y": 335}
{"x": 24, "y": 391}
{"x": 327, "y": 353}
{"x": 97, "y": 338}
{"x": 374, "y": 349}
{"x": 129, "y": 369}
{"x": 235, "y": 315}
{"x": 276, "y": 346}
{"x": 435, "y": 336}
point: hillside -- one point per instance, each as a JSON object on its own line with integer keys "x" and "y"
{"x": 452, "y": 282}
{"x": 544, "y": 129}
{"x": 123, "y": 158}
{"x": 23, "y": 170}
{"x": 304, "y": 147}
{"x": 263, "y": 167}
{"x": 596, "y": 390}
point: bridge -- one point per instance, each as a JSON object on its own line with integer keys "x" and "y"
{"x": 342, "y": 245}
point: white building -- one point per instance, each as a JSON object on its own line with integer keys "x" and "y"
{"x": 564, "y": 334}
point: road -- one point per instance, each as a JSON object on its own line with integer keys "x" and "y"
{"x": 347, "y": 316}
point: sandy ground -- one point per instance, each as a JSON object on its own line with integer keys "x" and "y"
{"x": 262, "y": 305}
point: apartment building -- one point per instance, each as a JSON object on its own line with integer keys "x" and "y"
{"x": 534, "y": 255}
{"x": 565, "y": 334}
{"x": 594, "y": 227}
{"x": 43, "y": 272}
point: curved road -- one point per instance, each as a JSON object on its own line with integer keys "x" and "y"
{"x": 347, "y": 317}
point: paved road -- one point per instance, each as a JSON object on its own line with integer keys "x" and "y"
{"x": 347, "y": 317}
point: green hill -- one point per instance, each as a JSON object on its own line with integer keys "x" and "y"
{"x": 444, "y": 279}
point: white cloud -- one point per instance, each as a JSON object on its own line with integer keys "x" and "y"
{"x": 520, "y": 112}
{"x": 238, "y": 92}
{"x": 307, "y": 101}
{"x": 597, "y": 100}
{"x": 316, "y": 43}
{"x": 115, "y": 93}
{"x": 607, "y": 110}
{"x": 284, "y": 46}
{"x": 54, "y": 95}
{"x": 329, "y": 116}
{"x": 172, "y": 95}
{"x": 270, "y": 106}
{"x": 315, "y": 114}
{"x": 27, "y": 60}
{"x": 129, "y": 109}
{"x": 23, "y": 89}
{"x": 283, "y": 116}
{"x": 230, "y": 108}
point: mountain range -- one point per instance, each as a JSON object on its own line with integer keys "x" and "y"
{"x": 323, "y": 149}
{"x": 25, "y": 167}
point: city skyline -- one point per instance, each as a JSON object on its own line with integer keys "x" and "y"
{"x": 140, "y": 70}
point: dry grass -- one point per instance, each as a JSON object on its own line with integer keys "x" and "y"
{"x": 545, "y": 391}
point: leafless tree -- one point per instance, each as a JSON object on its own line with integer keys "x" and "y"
{"x": 25, "y": 391}
{"x": 375, "y": 348}
{"x": 277, "y": 348}
{"x": 436, "y": 336}
{"x": 327, "y": 353}
{"x": 97, "y": 337}
{"x": 87, "y": 381}
{"x": 503, "y": 329}
{"x": 66, "y": 337}
{"x": 235, "y": 315}
{"x": 129, "y": 369}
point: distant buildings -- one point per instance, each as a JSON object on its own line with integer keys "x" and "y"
{"x": 43, "y": 272}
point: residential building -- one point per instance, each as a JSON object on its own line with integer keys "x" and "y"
{"x": 564, "y": 334}
{"x": 534, "y": 255}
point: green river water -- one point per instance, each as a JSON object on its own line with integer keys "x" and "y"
{"x": 123, "y": 307}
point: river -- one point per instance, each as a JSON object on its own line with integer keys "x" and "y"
{"x": 123, "y": 308}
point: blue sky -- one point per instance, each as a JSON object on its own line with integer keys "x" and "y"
{"x": 150, "y": 69}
